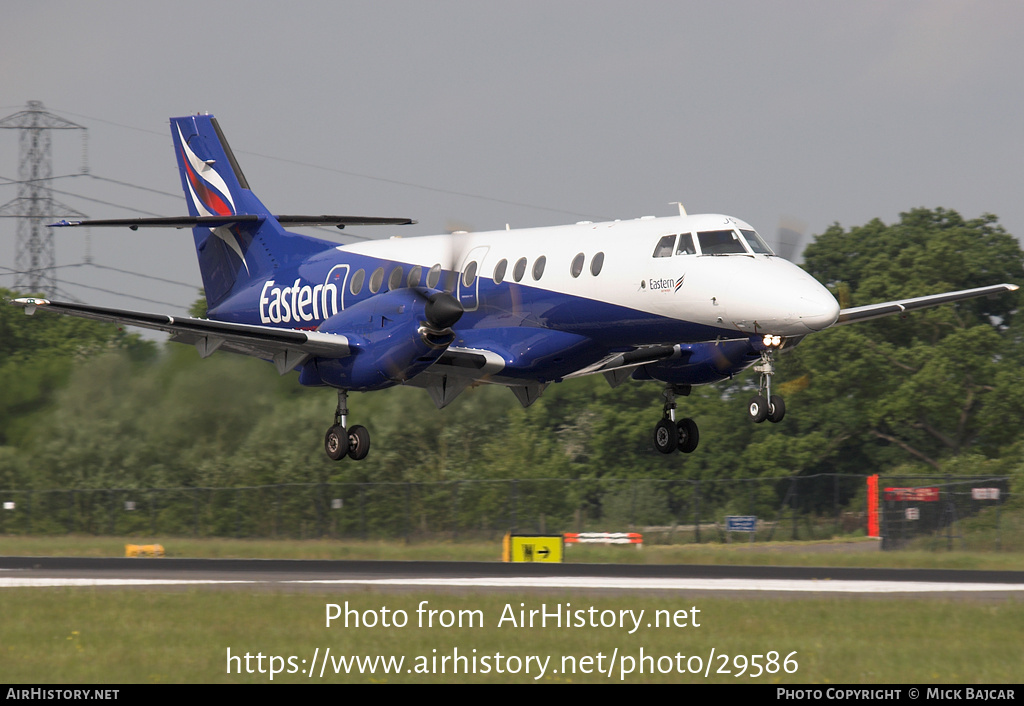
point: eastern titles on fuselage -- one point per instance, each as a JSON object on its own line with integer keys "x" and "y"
{"x": 297, "y": 303}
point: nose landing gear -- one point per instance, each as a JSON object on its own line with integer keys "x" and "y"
{"x": 342, "y": 440}
{"x": 671, "y": 435}
{"x": 765, "y": 405}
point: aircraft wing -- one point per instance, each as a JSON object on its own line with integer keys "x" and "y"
{"x": 875, "y": 311}
{"x": 285, "y": 347}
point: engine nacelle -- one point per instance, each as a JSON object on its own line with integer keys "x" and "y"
{"x": 393, "y": 337}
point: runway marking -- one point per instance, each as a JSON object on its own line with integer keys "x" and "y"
{"x": 683, "y": 584}
{"x": 50, "y": 582}
{"x": 657, "y": 584}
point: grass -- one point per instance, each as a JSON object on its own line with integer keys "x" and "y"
{"x": 852, "y": 552}
{"x": 152, "y": 636}
{"x": 115, "y": 636}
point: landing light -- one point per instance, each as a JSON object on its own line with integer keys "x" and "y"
{"x": 772, "y": 341}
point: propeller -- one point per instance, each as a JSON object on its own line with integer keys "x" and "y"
{"x": 790, "y": 238}
{"x": 443, "y": 311}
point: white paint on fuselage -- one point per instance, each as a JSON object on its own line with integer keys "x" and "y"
{"x": 749, "y": 294}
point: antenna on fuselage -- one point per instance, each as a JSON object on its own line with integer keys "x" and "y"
{"x": 682, "y": 210}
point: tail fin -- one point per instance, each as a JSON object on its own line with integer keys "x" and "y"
{"x": 235, "y": 255}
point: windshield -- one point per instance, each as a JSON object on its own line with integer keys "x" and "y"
{"x": 756, "y": 243}
{"x": 721, "y": 242}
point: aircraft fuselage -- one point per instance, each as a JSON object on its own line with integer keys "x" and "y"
{"x": 598, "y": 282}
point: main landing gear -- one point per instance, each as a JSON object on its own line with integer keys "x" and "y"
{"x": 342, "y": 440}
{"x": 765, "y": 405}
{"x": 670, "y": 435}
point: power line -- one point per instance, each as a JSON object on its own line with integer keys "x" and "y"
{"x": 176, "y": 196}
{"x": 385, "y": 180}
{"x": 80, "y": 196}
{"x": 13, "y": 272}
{"x": 122, "y": 294}
{"x": 435, "y": 189}
{"x": 126, "y": 272}
{"x": 193, "y": 287}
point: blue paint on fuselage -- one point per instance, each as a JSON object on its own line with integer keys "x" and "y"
{"x": 540, "y": 334}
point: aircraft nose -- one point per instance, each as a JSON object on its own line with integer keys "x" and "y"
{"x": 819, "y": 311}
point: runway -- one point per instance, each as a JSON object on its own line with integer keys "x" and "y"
{"x": 301, "y": 575}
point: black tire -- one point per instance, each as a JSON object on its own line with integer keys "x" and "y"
{"x": 758, "y": 409}
{"x": 666, "y": 436}
{"x": 777, "y": 409}
{"x": 358, "y": 442}
{"x": 689, "y": 435}
{"x": 336, "y": 443}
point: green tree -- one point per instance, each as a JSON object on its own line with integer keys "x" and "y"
{"x": 39, "y": 352}
{"x": 924, "y": 388}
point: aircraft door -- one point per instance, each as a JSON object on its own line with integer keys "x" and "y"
{"x": 468, "y": 289}
{"x": 334, "y": 289}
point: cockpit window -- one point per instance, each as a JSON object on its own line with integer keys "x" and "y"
{"x": 665, "y": 246}
{"x": 720, "y": 242}
{"x": 755, "y": 243}
{"x": 686, "y": 245}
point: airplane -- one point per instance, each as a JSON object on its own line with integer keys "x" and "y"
{"x": 683, "y": 300}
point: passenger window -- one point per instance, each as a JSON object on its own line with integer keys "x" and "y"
{"x": 686, "y": 245}
{"x": 356, "y": 285}
{"x": 414, "y": 276}
{"x": 720, "y": 242}
{"x": 519, "y": 270}
{"x": 499, "y": 271}
{"x": 395, "y": 280}
{"x": 576, "y": 268}
{"x": 538, "y": 267}
{"x": 664, "y": 247}
{"x": 596, "y": 264}
{"x": 376, "y": 280}
{"x": 434, "y": 276}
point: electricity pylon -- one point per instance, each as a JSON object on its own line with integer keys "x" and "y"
{"x": 34, "y": 207}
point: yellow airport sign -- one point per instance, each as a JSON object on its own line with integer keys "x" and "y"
{"x": 542, "y": 548}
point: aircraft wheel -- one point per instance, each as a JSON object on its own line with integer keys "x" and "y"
{"x": 666, "y": 436}
{"x": 358, "y": 442}
{"x": 777, "y": 409}
{"x": 336, "y": 443}
{"x": 758, "y": 409}
{"x": 689, "y": 436}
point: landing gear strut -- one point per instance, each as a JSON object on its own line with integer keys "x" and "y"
{"x": 342, "y": 440}
{"x": 765, "y": 405}
{"x": 670, "y": 435}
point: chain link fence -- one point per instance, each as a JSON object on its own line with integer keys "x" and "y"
{"x": 942, "y": 512}
{"x": 666, "y": 511}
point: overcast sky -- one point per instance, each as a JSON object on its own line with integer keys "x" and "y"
{"x": 477, "y": 114}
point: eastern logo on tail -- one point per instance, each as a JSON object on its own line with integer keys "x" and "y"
{"x": 210, "y": 195}
{"x": 201, "y": 177}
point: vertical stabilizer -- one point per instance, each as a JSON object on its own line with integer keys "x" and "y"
{"x": 231, "y": 257}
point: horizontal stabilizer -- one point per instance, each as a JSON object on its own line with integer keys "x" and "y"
{"x": 215, "y": 221}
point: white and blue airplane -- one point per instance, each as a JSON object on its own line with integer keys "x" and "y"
{"x": 686, "y": 300}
